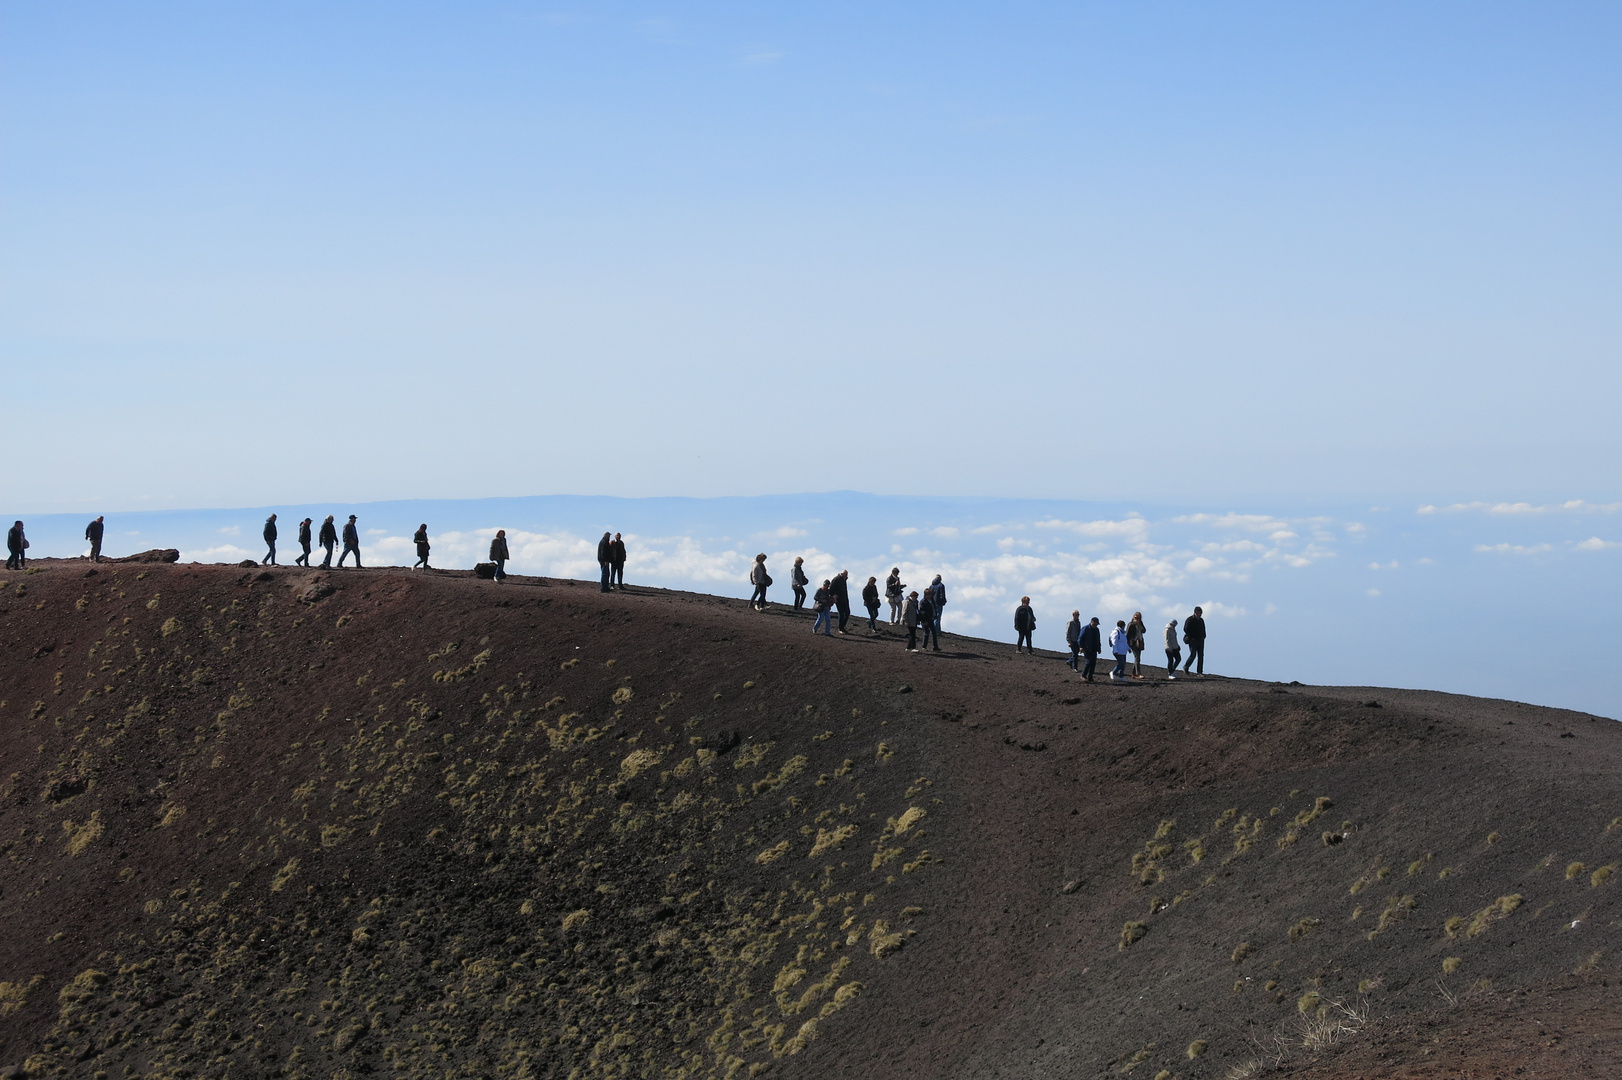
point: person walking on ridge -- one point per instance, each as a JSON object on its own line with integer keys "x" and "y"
{"x": 351, "y": 543}
{"x": 841, "y": 591}
{"x": 16, "y": 545}
{"x": 870, "y": 600}
{"x": 926, "y": 619}
{"x": 937, "y": 599}
{"x": 1118, "y": 646}
{"x": 1072, "y": 638}
{"x": 1024, "y": 624}
{"x": 93, "y": 533}
{"x": 1136, "y": 632}
{"x": 499, "y": 554}
{"x": 605, "y": 560}
{"x": 896, "y": 593}
{"x": 800, "y": 581}
{"x": 304, "y": 544}
{"x": 270, "y": 540}
{"x": 761, "y": 580}
{"x": 329, "y": 540}
{"x": 910, "y": 616}
{"x": 822, "y": 603}
{"x": 1194, "y": 637}
{"x": 1092, "y": 643}
{"x": 1174, "y": 653}
{"x": 420, "y": 538}
{"x": 617, "y": 562}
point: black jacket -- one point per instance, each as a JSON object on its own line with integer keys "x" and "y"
{"x": 926, "y": 610}
{"x": 800, "y": 580}
{"x": 92, "y": 532}
{"x": 1024, "y": 619}
{"x": 351, "y": 535}
{"x": 420, "y": 538}
{"x": 605, "y": 549}
{"x": 304, "y": 533}
{"x": 841, "y": 591}
{"x": 329, "y": 533}
{"x": 270, "y": 530}
{"x": 893, "y": 586}
{"x": 14, "y": 540}
{"x": 616, "y": 552}
{"x": 498, "y": 549}
{"x": 1092, "y": 642}
{"x": 870, "y": 596}
{"x": 1193, "y": 629}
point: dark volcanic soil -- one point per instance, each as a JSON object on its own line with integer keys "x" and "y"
{"x": 306, "y": 824}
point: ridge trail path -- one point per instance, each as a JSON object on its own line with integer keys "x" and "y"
{"x": 330, "y": 824}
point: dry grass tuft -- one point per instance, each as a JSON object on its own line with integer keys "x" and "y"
{"x": 1574, "y": 869}
{"x": 80, "y": 837}
{"x": 1451, "y": 964}
{"x": 1303, "y": 928}
{"x": 14, "y": 996}
{"x": 622, "y": 695}
{"x": 1496, "y": 911}
{"x": 1196, "y": 1048}
{"x": 1165, "y": 827}
{"x": 1602, "y": 875}
{"x": 1244, "y": 949}
{"x": 1132, "y": 932}
{"x": 1396, "y": 909}
{"x": 1333, "y": 1022}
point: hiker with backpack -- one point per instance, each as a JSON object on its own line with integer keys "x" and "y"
{"x": 760, "y": 579}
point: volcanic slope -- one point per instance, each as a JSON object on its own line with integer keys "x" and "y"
{"x": 305, "y": 824}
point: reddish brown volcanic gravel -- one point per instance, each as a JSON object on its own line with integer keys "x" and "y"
{"x": 377, "y": 823}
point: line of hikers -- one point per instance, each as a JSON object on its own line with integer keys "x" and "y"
{"x": 832, "y": 597}
{"x": 1086, "y": 642}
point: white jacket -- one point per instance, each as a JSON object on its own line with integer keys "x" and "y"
{"x": 1172, "y": 644}
{"x": 1117, "y": 641}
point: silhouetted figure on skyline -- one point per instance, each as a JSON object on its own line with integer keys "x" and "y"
{"x": 93, "y": 533}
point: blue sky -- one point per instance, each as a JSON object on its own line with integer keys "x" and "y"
{"x": 264, "y": 254}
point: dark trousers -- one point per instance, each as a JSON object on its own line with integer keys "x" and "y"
{"x": 95, "y": 551}
{"x": 1119, "y": 670}
{"x": 270, "y": 556}
{"x": 1196, "y": 655}
{"x": 422, "y": 556}
{"x": 326, "y": 563}
{"x": 844, "y": 617}
{"x": 303, "y": 559}
{"x": 912, "y": 637}
{"x": 608, "y": 576}
{"x": 348, "y": 549}
{"x": 931, "y": 632}
{"x": 1075, "y": 658}
{"x": 799, "y": 597}
{"x": 1025, "y": 640}
{"x": 616, "y": 574}
{"x": 1173, "y": 658}
{"x": 759, "y": 596}
{"x": 15, "y": 561}
{"x": 873, "y": 618}
{"x": 1090, "y": 666}
{"x": 501, "y": 569}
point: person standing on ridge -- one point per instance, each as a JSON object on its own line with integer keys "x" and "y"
{"x": 16, "y": 544}
{"x": 605, "y": 560}
{"x": 92, "y": 533}
{"x": 303, "y": 543}
{"x": 270, "y": 540}
{"x": 926, "y": 619}
{"x": 1174, "y": 653}
{"x": 420, "y": 538}
{"x": 841, "y": 593}
{"x": 910, "y": 617}
{"x": 329, "y": 540}
{"x": 1072, "y": 638}
{"x": 499, "y": 554}
{"x": 1024, "y": 624}
{"x": 1092, "y": 643}
{"x": 351, "y": 543}
{"x": 870, "y": 600}
{"x": 800, "y": 581}
{"x": 1136, "y": 632}
{"x": 1118, "y": 646}
{"x": 822, "y": 603}
{"x": 617, "y": 561}
{"x": 1194, "y": 636}
{"x": 760, "y": 579}
{"x": 937, "y": 598}
{"x": 896, "y": 593}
